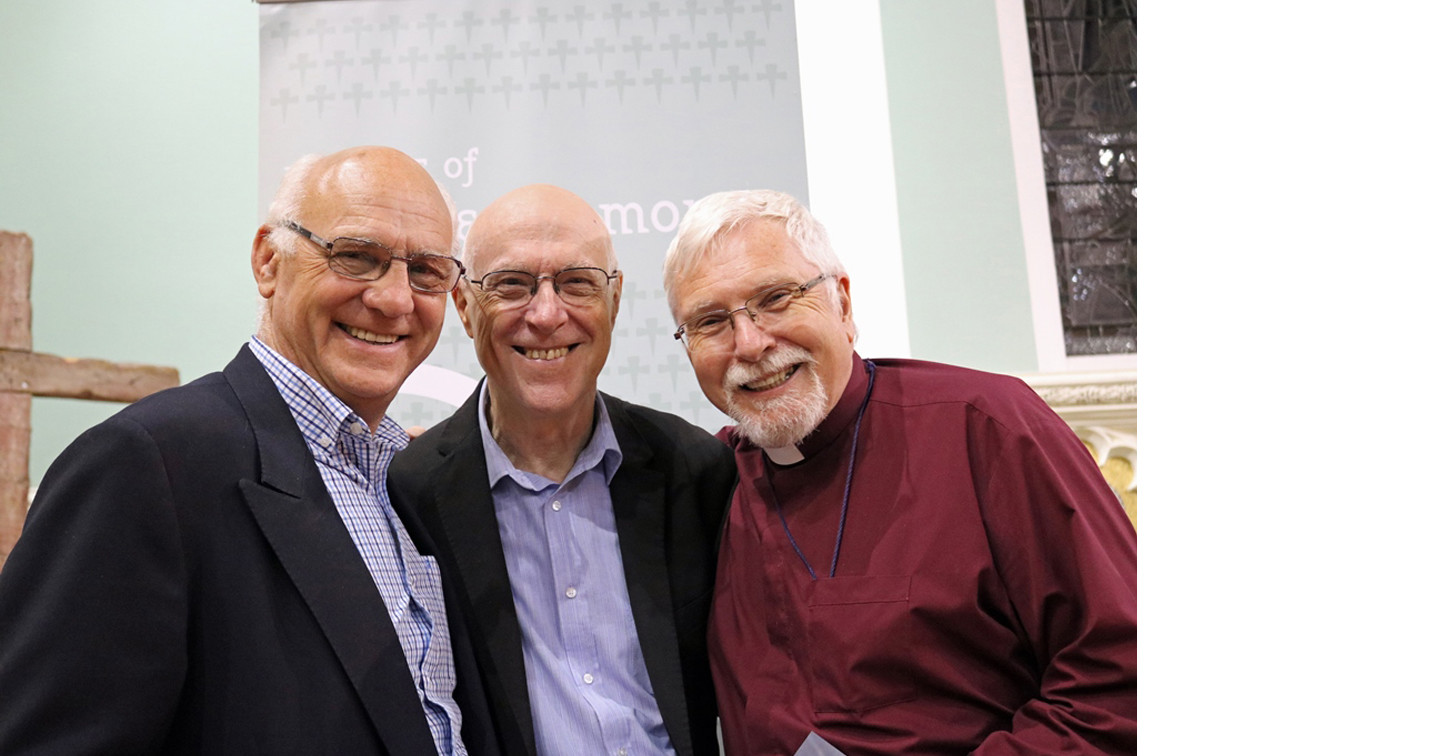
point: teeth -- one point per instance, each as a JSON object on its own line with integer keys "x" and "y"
{"x": 772, "y": 381}
{"x": 373, "y": 338}
{"x": 546, "y": 354}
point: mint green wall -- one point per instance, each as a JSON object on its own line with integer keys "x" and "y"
{"x": 965, "y": 277}
{"x": 128, "y": 152}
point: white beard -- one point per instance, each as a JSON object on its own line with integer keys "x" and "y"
{"x": 786, "y": 419}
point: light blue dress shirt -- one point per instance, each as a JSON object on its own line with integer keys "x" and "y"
{"x": 589, "y": 690}
{"x": 353, "y": 462}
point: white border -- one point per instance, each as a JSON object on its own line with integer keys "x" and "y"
{"x": 851, "y": 165}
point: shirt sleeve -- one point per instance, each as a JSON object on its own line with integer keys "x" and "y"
{"x": 93, "y": 604}
{"x": 1067, "y": 555}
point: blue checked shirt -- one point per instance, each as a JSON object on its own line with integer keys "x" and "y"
{"x": 589, "y": 690}
{"x": 352, "y": 462}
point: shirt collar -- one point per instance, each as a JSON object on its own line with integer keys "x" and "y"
{"x": 321, "y": 416}
{"x": 601, "y": 451}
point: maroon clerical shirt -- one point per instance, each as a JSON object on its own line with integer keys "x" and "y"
{"x": 984, "y": 593}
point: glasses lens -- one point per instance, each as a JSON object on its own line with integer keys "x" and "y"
{"x": 433, "y": 273}
{"x": 772, "y": 301}
{"x": 707, "y": 325}
{"x": 358, "y": 259}
{"x": 767, "y": 307}
{"x": 510, "y": 285}
{"x": 580, "y": 285}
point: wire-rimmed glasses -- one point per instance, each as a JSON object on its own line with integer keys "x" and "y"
{"x": 365, "y": 260}
{"x": 765, "y": 308}
{"x": 575, "y": 286}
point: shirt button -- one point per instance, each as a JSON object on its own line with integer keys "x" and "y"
{"x": 622, "y": 752}
{"x": 325, "y": 441}
{"x": 570, "y": 593}
{"x": 588, "y": 678}
{"x": 555, "y": 505}
{"x": 358, "y": 428}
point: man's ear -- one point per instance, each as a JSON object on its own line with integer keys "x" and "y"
{"x": 265, "y": 262}
{"x": 847, "y": 315}
{"x": 462, "y": 295}
{"x": 615, "y": 303}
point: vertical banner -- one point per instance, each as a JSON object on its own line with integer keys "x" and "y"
{"x": 640, "y": 107}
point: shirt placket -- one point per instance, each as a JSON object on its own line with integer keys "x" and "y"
{"x": 352, "y": 461}
{"x": 422, "y": 607}
{"x": 567, "y": 581}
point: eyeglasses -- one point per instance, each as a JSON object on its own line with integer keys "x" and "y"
{"x": 765, "y": 310}
{"x": 365, "y": 260}
{"x": 576, "y": 286}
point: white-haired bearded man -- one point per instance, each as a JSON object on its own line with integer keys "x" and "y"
{"x": 919, "y": 558}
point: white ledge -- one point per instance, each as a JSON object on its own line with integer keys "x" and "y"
{"x": 1086, "y": 400}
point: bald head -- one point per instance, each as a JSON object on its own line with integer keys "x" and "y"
{"x": 538, "y": 212}
{"x": 323, "y": 184}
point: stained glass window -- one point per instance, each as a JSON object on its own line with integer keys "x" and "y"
{"x": 1082, "y": 53}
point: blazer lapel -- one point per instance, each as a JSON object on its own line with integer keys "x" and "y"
{"x": 465, "y": 525}
{"x": 298, "y": 518}
{"x": 637, "y": 494}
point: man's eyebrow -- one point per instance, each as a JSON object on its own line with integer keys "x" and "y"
{"x": 394, "y": 250}
{"x": 522, "y": 268}
{"x": 705, "y": 308}
{"x": 709, "y": 306}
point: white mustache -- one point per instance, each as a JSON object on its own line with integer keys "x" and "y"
{"x": 782, "y": 358}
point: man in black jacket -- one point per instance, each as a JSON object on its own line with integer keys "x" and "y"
{"x": 217, "y": 569}
{"x": 579, "y": 527}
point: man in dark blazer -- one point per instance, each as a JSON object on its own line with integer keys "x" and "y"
{"x": 579, "y": 527}
{"x": 192, "y": 577}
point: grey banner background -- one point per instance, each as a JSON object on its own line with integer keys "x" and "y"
{"x": 639, "y": 107}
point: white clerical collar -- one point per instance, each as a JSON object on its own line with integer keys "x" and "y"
{"x": 788, "y": 454}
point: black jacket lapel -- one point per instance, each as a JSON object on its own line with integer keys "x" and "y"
{"x": 299, "y": 520}
{"x": 465, "y": 520}
{"x": 637, "y": 494}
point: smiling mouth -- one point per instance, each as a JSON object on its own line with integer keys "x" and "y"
{"x": 771, "y": 382}
{"x": 544, "y": 355}
{"x": 370, "y": 337}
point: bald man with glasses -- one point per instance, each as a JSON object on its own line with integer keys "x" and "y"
{"x": 217, "y": 569}
{"x": 579, "y": 527}
{"x": 919, "y": 558}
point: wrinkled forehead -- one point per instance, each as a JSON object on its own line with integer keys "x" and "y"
{"x": 539, "y": 244}
{"x": 394, "y": 203}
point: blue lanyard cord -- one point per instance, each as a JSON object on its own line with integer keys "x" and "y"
{"x": 849, "y": 476}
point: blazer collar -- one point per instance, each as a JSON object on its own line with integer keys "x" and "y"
{"x": 294, "y": 511}
{"x": 469, "y": 531}
{"x": 468, "y": 524}
{"x": 637, "y": 494}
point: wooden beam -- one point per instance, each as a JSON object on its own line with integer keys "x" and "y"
{"x": 72, "y": 378}
{"x": 14, "y": 468}
{"x": 16, "y": 259}
{"x": 24, "y": 374}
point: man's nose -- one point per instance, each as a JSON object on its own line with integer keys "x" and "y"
{"x": 545, "y": 311}
{"x": 391, "y": 293}
{"x": 751, "y": 341}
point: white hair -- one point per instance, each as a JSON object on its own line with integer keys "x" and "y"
{"x": 294, "y": 190}
{"x": 710, "y": 219}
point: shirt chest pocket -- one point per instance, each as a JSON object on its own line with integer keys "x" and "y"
{"x": 859, "y": 632}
